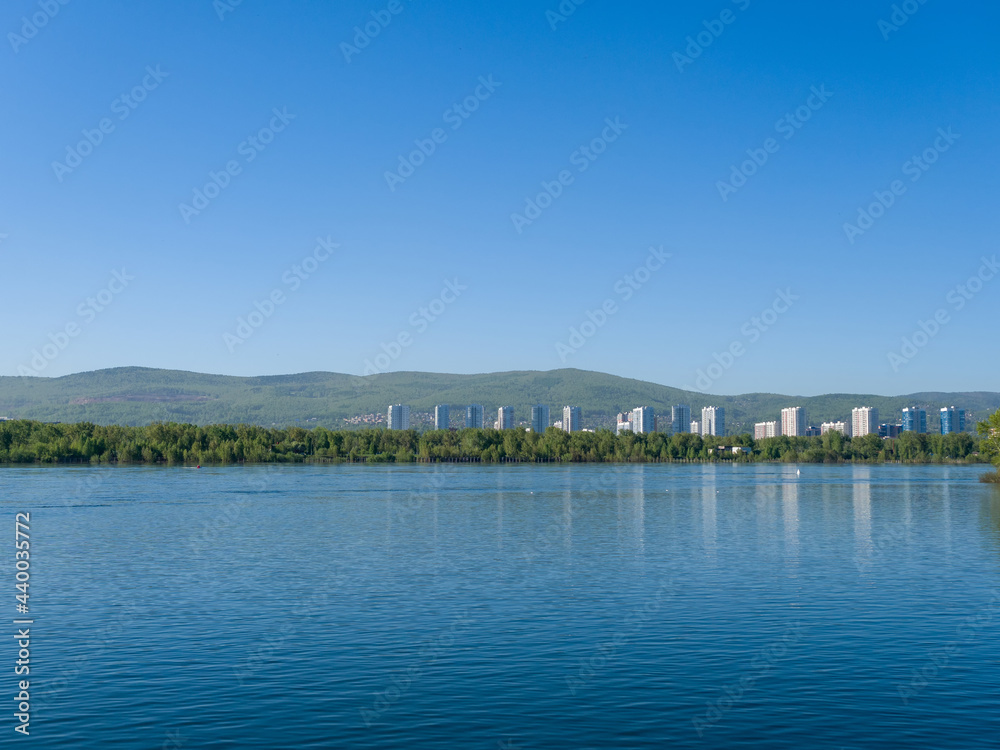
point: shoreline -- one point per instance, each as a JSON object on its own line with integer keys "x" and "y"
{"x": 37, "y": 443}
{"x": 478, "y": 462}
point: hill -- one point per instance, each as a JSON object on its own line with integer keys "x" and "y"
{"x": 139, "y": 396}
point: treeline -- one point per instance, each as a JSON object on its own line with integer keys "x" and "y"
{"x": 27, "y": 442}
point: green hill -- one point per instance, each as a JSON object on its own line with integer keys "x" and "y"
{"x": 138, "y": 396}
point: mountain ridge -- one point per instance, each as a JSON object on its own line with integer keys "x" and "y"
{"x": 141, "y": 395}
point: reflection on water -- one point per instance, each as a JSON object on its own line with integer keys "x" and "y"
{"x": 500, "y": 497}
{"x": 989, "y": 515}
{"x": 568, "y": 511}
{"x": 709, "y": 517}
{"x": 946, "y": 514}
{"x": 790, "y": 510}
{"x": 469, "y": 594}
{"x": 766, "y": 510}
{"x": 862, "y": 515}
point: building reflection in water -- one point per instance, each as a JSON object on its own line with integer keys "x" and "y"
{"x": 863, "y": 514}
{"x": 709, "y": 516}
{"x": 569, "y": 508}
{"x": 632, "y": 510}
{"x": 946, "y": 513}
{"x": 989, "y": 516}
{"x": 500, "y": 510}
{"x": 766, "y": 511}
{"x": 790, "y": 516}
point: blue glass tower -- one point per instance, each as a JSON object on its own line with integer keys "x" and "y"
{"x": 540, "y": 418}
{"x": 681, "y": 419}
{"x": 952, "y": 420}
{"x": 915, "y": 420}
{"x": 474, "y": 416}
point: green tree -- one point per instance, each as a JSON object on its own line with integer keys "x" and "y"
{"x": 990, "y": 443}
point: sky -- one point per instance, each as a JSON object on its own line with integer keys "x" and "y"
{"x": 729, "y": 196}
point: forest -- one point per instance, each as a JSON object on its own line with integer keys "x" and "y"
{"x": 30, "y": 442}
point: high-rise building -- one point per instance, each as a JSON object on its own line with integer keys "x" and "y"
{"x": 643, "y": 420}
{"x": 890, "y": 430}
{"x": 399, "y": 417}
{"x": 842, "y": 427}
{"x": 713, "y": 421}
{"x": 442, "y": 419}
{"x": 864, "y": 421}
{"x": 915, "y": 420}
{"x": 539, "y": 418}
{"x": 681, "y": 418}
{"x": 505, "y": 418}
{"x": 474, "y": 416}
{"x": 571, "y": 418}
{"x": 952, "y": 420}
{"x": 623, "y": 423}
{"x": 764, "y": 430}
{"x": 695, "y": 427}
{"x": 793, "y": 421}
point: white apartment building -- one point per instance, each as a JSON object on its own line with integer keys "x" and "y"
{"x": 842, "y": 427}
{"x": 624, "y": 422}
{"x": 864, "y": 421}
{"x": 764, "y": 430}
{"x": 572, "y": 416}
{"x": 643, "y": 420}
{"x": 793, "y": 421}
{"x": 713, "y": 421}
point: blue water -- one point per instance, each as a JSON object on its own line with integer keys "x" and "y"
{"x": 509, "y": 607}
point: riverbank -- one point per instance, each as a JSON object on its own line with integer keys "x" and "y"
{"x": 28, "y": 442}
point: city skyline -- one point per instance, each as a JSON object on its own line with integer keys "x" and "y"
{"x": 643, "y": 420}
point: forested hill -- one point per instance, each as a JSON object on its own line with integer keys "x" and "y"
{"x": 138, "y": 396}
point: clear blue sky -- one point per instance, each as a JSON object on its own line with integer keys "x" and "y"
{"x": 551, "y": 92}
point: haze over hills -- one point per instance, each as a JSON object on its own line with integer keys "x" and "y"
{"x": 137, "y": 396}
